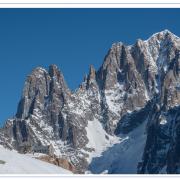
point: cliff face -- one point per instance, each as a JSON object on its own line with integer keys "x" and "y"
{"x": 136, "y": 84}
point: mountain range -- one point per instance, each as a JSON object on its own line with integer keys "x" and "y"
{"x": 123, "y": 119}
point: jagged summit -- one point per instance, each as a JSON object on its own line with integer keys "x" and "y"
{"x": 115, "y": 49}
{"x": 117, "y": 44}
{"x": 54, "y": 71}
{"x": 38, "y": 72}
{"x": 39, "y": 69}
{"x": 164, "y": 32}
{"x": 92, "y": 73}
{"x": 162, "y": 35}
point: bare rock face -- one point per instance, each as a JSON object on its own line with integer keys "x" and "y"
{"x": 134, "y": 83}
{"x": 119, "y": 75}
{"x": 36, "y": 88}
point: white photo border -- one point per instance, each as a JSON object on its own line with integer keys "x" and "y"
{"x": 87, "y": 4}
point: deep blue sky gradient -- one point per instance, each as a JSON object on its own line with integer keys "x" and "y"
{"x": 71, "y": 38}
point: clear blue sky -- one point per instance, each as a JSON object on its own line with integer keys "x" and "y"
{"x": 71, "y": 38}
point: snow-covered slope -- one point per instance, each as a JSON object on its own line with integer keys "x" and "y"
{"x": 99, "y": 140}
{"x": 12, "y": 162}
{"x": 123, "y": 157}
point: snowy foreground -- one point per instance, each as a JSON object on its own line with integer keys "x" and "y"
{"x": 13, "y": 163}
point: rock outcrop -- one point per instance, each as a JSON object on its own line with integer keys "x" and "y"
{"x": 58, "y": 162}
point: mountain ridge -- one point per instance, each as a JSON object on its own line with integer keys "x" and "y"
{"x": 135, "y": 84}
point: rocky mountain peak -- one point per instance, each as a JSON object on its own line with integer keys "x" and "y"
{"x": 164, "y": 33}
{"x": 92, "y": 72}
{"x": 57, "y": 76}
{"x": 54, "y": 71}
{"x": 163, "y": 37}
{"x": 57, "y": 79}
{"x": 38, "y": 70}
{"x": 116, "y": 46}
{"x": 91, "y": 79}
